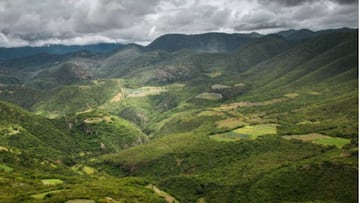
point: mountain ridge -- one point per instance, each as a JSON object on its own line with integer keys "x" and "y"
{"x": 18, "y": 52}
{"x": 222, "y": 39}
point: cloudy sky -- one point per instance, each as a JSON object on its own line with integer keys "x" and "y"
{"x": 39, "y": 22}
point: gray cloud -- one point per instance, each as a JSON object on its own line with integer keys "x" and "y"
{"x": 92, "y": 21}
{"x": 301, "y": 2}
{"x": 347, "y": 1}
{"x": 287, "y": 2}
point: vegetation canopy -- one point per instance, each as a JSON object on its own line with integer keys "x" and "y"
{"x": 189, "y": 118}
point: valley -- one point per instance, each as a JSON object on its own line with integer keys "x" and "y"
{"x": 200, "y": 118}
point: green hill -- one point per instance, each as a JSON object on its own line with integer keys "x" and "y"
{"x": 88, "y": 131}
{"x": 191, "y": 167}
{"x": 20, "y": 52}
{"x": 27, "y": 133}
{"x": 41, "y": 159}
{"x": 305, "y": 58}
{"x": 208, "y": 42}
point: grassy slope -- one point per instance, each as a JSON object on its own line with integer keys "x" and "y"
{"x": 34, "y": 149}
{"x": 307, "y": 58}
{"x": 191, "y": 166}
{"x": 26, "y": 132}
{"x": 25, "y": 186}
{"x": 331, "y": 72}
{"x": 23, "y": 96}
{"x": 96, "y": 128}
{"x": 78, "y": 97}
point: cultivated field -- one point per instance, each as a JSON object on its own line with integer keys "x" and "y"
{"x": 317, "y": 138}
{"x": 51, "y": 181}
{"x": 247, "y": 132}
{"x": 209, "y": 96}
{"x": 144, "y": 91}
{"x": 230, "y": 123}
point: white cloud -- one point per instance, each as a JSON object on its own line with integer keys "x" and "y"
{"x": 90, "y": 21}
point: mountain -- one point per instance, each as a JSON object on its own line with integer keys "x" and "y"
{"x": 46, "y": 71}
{"x": 330, "y": 49}
{"x": 297, "y": 35}
{"x": 66, "y": 73}
{"x": 24, "y": 132}
{"x": 208, "y": 42}
{"x": 259, "y": 50}
{"x": 33, "y": 134}
{"x": 303, "y": 34}
{"x": 19, "y": 52}
{"x": 120, "y": 58}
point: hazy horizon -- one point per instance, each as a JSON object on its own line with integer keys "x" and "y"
{"x": 148, "y": 42}
{"x": 72, "y": 22}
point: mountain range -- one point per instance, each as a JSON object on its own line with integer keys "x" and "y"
{"x": 210, "y": 117}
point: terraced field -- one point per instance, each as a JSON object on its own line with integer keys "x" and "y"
{"x": 317, "y": 138}
{"x": 248, "y": 132}
{"x": 53, "y": 181}
{"x": 226, "y": 107}
{"x": 143, "y": 91}
{"x": 230, "y": 123}
{"x": 209, "y": 96}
